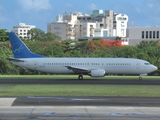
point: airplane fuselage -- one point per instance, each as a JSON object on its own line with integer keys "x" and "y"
{"x": 109, "y": 65}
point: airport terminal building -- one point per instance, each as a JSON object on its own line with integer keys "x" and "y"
{"x": 138, "y": 34}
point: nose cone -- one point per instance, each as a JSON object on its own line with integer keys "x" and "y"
{"x": 151, "y": 68}
{"x": 155, "y": 68}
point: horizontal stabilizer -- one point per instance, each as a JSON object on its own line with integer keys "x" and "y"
{"x": 15, "y": 59}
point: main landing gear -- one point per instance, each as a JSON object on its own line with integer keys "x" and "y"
{"x": 80, "y": 77}
{"x": 140, "y": 78}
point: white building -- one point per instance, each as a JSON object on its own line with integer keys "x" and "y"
{"x": 22, "y": 29}
{"x": 99, "y": 24}
{"x": 120, "y": 25}
{"x": 125, "y": 41}
{"x": 64, "y": 26}
{"x": 84, "y": 29}
{"x": 138, "y": 34}
{"x": 98, "y": 32}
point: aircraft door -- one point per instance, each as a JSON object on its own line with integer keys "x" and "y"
{"x": 35, "y": 64}
{"x": 138, "y": 65}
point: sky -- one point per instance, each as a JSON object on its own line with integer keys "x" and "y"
{"x": 41, "y": 12}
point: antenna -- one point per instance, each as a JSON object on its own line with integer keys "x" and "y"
{"x": 132, "y": 23}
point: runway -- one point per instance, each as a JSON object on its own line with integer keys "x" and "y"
{"x": 79, "y": 108}
{"x": 85, "y": 81}
{"x": 79, "y": 113}
{"x": 80, "y": 101}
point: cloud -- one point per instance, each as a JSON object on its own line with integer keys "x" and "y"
{"x": 150, "y": 5}
{"x": 149, "y": 13}
{"x": 68, "y": 5}
{"x": 2, "y": 18}
{"x": 138, "y": 10}
{"x": 153, "y": 5}
{"x": 93, "y": 6}
{"x": 35, "y": 5}
{"x": 150, "y": 10}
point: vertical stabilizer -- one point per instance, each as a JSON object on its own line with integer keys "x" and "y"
{"x": 19, "y": 49}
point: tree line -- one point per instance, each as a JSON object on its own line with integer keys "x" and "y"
{"x": 147, "y": 50}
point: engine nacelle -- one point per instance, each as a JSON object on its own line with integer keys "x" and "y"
{"x": 98, "y": 73}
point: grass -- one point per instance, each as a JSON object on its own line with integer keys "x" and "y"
{"x": 80, "y": 90}
{"x": 75, "y": 77}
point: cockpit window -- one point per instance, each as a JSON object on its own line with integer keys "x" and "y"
{"x": 147, "y": 63}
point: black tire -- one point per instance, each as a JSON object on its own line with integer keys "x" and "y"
{"x": 140, "y": 78}
{"x": 80, "y": 77}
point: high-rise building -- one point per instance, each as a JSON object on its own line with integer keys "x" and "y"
{"x": 98, "y": 24}
{"x": 22, "y": 29}
{"x": 108, "y": 21}
{"x": 120, "y": 25}
{"x": 64, "y": 25}
{"x": 115, "y": 23}
{"x": 84, "y": 29}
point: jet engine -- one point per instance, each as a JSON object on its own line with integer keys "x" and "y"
{"x": 98, "y": 73}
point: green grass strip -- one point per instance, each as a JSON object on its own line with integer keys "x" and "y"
{"x": 80, "y": 90}
{"x": 75, "y": 77}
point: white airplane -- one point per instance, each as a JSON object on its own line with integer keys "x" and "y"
{"x": 94, "y": 67}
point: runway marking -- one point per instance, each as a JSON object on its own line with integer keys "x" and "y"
{"x": 128, "y": 114}
{"x": 6, "y": 101}
{"x": 48, "y": 113}
{"x": 68, "y": 99}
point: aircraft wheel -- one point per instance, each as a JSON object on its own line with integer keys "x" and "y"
{"x": 80, "y": 77}
{"x": 140, "y": 78}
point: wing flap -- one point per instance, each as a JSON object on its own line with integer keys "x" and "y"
{"x": 78, "y": 69}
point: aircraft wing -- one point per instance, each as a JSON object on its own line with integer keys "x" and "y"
{"x": 78, "y": 69}
{"x": 15, "y": 59}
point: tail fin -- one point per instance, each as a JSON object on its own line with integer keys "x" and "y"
{"x": 19, "y": 49}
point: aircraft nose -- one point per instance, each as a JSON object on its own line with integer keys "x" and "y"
{"x": 154, "y": 68}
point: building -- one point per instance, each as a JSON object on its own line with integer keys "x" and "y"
{"x": 22, "y": 29}
{"x": 120, "y": 25}
{"x": 123, "y": 41}
{"x": 108, "y": 21}
{"x": 101, "y": 20}
{"x": 98, "y": 24}
{"x": 116, "y": 24}
{"x": 84, "y": 29}
{"x": 64, "y": 26}
{"x": 98, "y": 32}
{"x": 63, "y": 29}
{"x": 138, "y": 34}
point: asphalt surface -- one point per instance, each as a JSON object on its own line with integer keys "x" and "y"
{"x": 87, "y": 101}
{"x": 79, "y": 108}
{"x": 79, "y": 113}
{"x": 85, "y": 81}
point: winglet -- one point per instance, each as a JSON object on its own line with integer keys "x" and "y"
{"x": 19, "y": 49}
